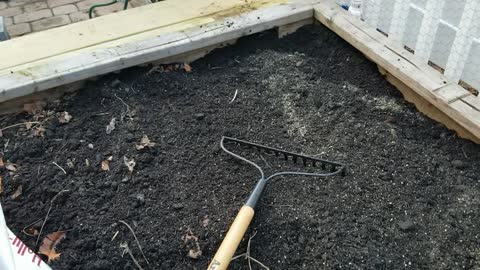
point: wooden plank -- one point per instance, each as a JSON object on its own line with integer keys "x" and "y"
{"x": 408, "y": 69}
{"x": 473, "y": 101}
{"x": 79, "y": 66}
{"x": 285, "y": 30}
{"x": 99, "y": 30}
{"x": 427, "y": 108}
{"x": 452, "y": 92}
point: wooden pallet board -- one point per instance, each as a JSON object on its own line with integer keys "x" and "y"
{"x": 174, "y": 39}
{"x": 116, "y": 26}
{"x": 420, "y": 84}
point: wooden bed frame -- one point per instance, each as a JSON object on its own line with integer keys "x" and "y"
{"x": 49, "y": 63}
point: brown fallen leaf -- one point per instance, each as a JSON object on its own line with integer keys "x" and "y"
{"x": 28, "y": 125}
{"x": 38, "y": 131}
{"x": 2, "y": 164}
{"x": 106, "y": 164}
{"x": 205, "y": 221}
{"x": 64, "y": 117}
{"x": 187, "y": 68}
{"x": 144, "y": 143}
{"x": 49, "y": 243}
{"x": 194, "y": 253}
{"x": 34, "y": 107}
{"x": 17, "y": 192}
{"x": 31, "y": 231}
{"x": 130, "y": 163}
{"x": 191, "y": 241}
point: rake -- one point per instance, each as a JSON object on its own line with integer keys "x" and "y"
{"x": 240, "y": 225}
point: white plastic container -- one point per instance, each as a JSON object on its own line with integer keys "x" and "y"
{"x": 14, "y": 254}
{"x": 355, "y": 8}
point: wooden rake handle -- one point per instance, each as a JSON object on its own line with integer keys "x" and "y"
{"x": 232, "y": 239}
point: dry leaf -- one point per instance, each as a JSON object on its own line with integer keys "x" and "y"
{"x": 28, "y": 125}
{"x": 144, "y": 142}
{"x": 49, "y": 243}
{"x": 38, "y": 132}
{"x": 64, "y": 117}
{"x": 191, "y": 240}
{"x": 194, "y": 254}
{"x": 129, "y": 163}
{"x": 34, "y": 107}
{"x": 17, "y": 192}
{"x": 31, "y": 231}
{"x": 187, "y": 67}
{"x": 2, "y": 164}
{"x": 105, "y": 165}
{"x": 11, "y": 167}
{"x": 1, "y": 185}
{"x": 205, "y": 221}
{"x": 111, "y": 126}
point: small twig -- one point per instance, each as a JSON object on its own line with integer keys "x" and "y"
{"x": 63, "y": 170}
{"x": 6, "y": 145}
{"x": 325, "y": 262}
{"x": 50, "y": 209}
{"x": 259, "y": 263}
{"x": 127, "y": 249}
{"x": 248, "y": 257}
{"x": 248, "y": 250}
{"x": 278, "y": 205}
{"x": 115, "y": 235}
{"x": 136, "y": 239}
{"x": 234, "y": 96}
{"x": 126, "y": 105}
{"x": 266, "y": 162}
{"x": 464, "y": 153}
{"x": 28, "y": 226}
{"x": 239, "y": 256}
{"x": 19, "y": 124}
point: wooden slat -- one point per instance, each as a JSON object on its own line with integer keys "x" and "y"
{"x": 451, "y": 92}
{"x": 114, "y": 26}
{"x": 405, "y": 67}
{"x": 184, "y": 38}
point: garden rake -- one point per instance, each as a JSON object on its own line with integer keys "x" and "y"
{"x": 240, "y": 225}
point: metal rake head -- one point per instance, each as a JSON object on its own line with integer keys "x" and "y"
{"x": 328, "y": 168}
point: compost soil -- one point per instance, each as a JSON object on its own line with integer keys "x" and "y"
{"x": 410, "y": 200}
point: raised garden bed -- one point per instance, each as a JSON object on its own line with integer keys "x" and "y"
{"x": 410, "y": 200}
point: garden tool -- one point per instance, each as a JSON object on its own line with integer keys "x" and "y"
{"x": 240, "y": 225}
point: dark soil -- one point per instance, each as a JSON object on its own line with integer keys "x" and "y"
{"x": 410, "y": 201}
